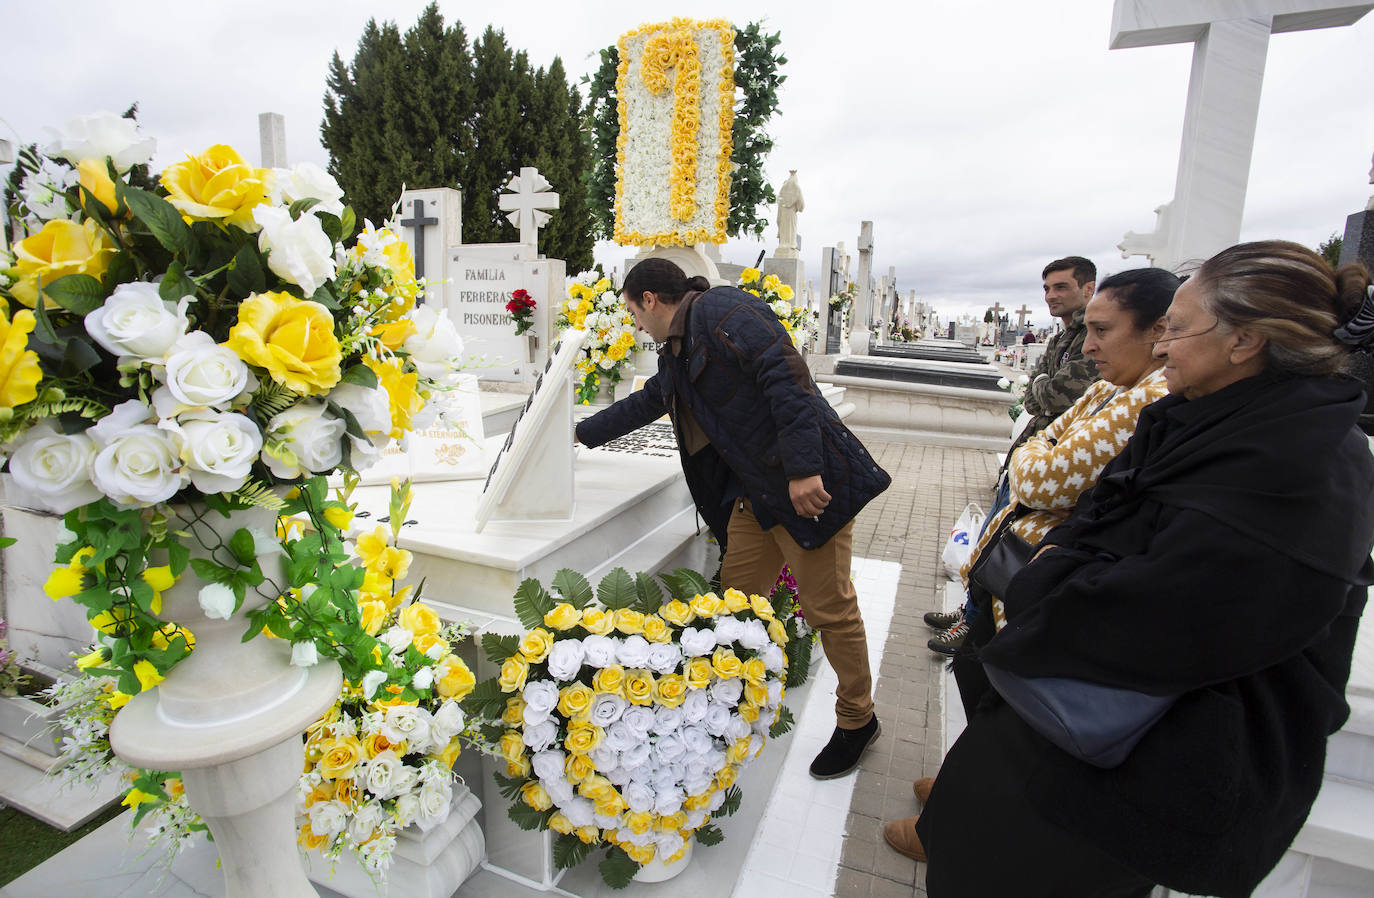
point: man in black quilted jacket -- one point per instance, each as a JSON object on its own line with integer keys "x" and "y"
{"x": 772, "y": 470}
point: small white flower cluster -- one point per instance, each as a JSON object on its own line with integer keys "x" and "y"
{"x": 594, "y": 305}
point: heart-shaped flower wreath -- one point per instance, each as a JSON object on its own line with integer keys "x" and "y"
{"x": 624, "y": 718}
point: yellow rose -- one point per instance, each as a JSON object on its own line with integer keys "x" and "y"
{"x": 536, "y": 645}
{"x": 640, "y": 854}
{"x": 401, "y": 262}
{"x": 628, "y": 621}
{"x": 762, "y": 607}
{"x": 148, "y": 676}
{"x": 61, "y": 248}
{"x": 639, "y": 822}
{"x": 535, "y": 796}
{"x": 772, "y": 282}
{"x": 403, "y": 399}
{"x": 373, "y": 615}
{"x": 725, "y": 777}
{"x": 575, "y": 701}
{"x": 777, "y": 632}
{"x": 670, "y": 690}
{"x": 518, "y": 768}
{"x": 749, "y": 712}
{"x": 427, "y": 643}
{"x": 589, "y": 835}
{"x": 584, "y": 737}
{"x": 708, "y": 605}
{"x": 513, "y": 673}
{"x": 218, "y": 186}
{"x": 677, "y": 613}
{"x": 292, "y": 338}
{"x": 785, "y": 292}
{"x": 749, "y": 276}
{"x": 559, "y": 823}
{"x": 453, "y": 679}
{"x": 735, "y": 601}
{"x": 94, "y": 175}
{"x": 755, "y": 694}
{"x": 420, "y": 619}
{"x": 725, "y": 663}
{"x": 755, "y": 672}
{"x": 515, "y": 710}
{"x": 595, "y": 787}
{"x": 578, "y": 767}
{"x": 639, "y": 686}
{"x": 307, "y": 839}
{"x": 451, "y": 752}
{"x": 563, "y": 617}
{"x": 512, "y": 746}
{"x": 697, "y": 802}
{"x": 656, "y": 630}
{"x": 671, "y": 822}
{"x": 394, "y": 334}
{"x": 597, "y": 621}
{"x": 699, "y": 673}
{"x": 610, "y": 679}
{"x": 339, "y": 757}
{"x": 610, "y": 805}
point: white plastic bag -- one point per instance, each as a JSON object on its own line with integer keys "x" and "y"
{"x": 959, "y": 546}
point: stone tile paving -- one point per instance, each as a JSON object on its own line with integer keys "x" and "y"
{"x": 907, "y": 524}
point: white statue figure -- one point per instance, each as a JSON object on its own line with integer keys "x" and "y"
{"x": 790, "y": 202}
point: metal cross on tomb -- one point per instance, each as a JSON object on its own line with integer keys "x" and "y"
{"x": 418, "y": 223}
{"x": 529, "y": 196}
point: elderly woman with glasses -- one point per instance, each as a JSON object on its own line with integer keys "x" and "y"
{"x": 1222, "y": 558}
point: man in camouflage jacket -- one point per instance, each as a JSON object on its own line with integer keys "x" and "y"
{"x": 1062, "y": 374}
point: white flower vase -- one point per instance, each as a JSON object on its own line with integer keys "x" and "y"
{"x": 657, "y": 871}
{"x": 230, "y": 718}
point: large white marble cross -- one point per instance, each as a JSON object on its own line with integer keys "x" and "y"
{"x": 529, "y": 196}
{"x": 1230, "y": 43}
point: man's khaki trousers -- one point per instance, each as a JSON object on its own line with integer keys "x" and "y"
{"x": 754, "y": 557}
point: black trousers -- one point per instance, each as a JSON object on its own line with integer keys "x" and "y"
{"x": 985, "y": 840}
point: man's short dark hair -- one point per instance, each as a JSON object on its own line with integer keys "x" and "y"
{"x": 1083, "y": 270}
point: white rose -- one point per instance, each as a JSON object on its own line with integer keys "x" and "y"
{"x": 407, "y": 809}
{"x": 135, "y": 463}
{"x": 541, "y": 735}
{"x": 728, "y": 629}
{"x": 102, "y": 135}
{"x": 548, "y": 764}
{"x": 532, "y": 716}
{"x": 669, "y": 843}
{"x": 435, "y": 347}
{"x": 304, "y": 439}
{"x": 299, "y": 251}
{"x": 639, "y": 796}
{"x": 328, "y": 818}
{"x": 383, "y": 773}
{"x": 599, "y": 651}
{"x": 774, "y": 691}
{"x": 664, "y": 657}
{"x": 637, "y": 755}
{"x": 304, "y": 181}
{"x": 53, "y": 469}
{"x": 605, "y": 758}
{"x": 640, "y": 720}
{"x": 304, "y": 654}
{"x": 717, "y": 719}
{"x": 738, "y": 728}
{"x": 696, "y": 784}
{"x": 397, "y": 639}
{"x": 717, "y": 799}
{"x": 666, "y": 802}
{"x": 423, "y": 679}
{"x": 696, "y": 740}
{"x": 635, "y": 838}
{"x": 697, "y": 817}
{"x": 694, "y": 705}
{"x": 265, "y": 544}
{"x": 620, "y": 736}
{"x": 773, "y": 657}
{"x": 607, "y": 708}
{"x": 217, "y": 448}
{"x": 667, "y": 720}
{"x": 727, "y": 691}
{"x": 669, "y": 748}
{"x": 579, "y": 812}
{"x": 135, "y": 323}
{"x": 559, "y": 789}
{"x": 565, "y": 660}
{"x": 201, "y": 374}
{"x": 408, "y": 724}
{"x": 698, "y": 642}
{"x": 436, "y": 801}
{"x": 448, "y": 720}
{"x": 371, "y": 407}
{"x": 633, "y": 651}
{"x": 754, "y": 636}
{"x": 366, "y": 820}
{"x": 540, "y": 695}
{"x": 371, "y": 680}
{"x": 217, "y": 600}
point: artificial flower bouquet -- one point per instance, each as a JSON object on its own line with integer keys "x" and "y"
{"x": 624, "y": 718}
{"x": 843, "y": 300}
{"x": 801, "y": 636}
{"x": 521, "y": 308}
{"x": 1017, "y": 388}
{"x": 206, "y": 340}
{"x": 594, "y": 305}
{"x": 778, "y": 296}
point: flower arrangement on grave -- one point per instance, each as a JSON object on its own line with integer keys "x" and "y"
{"x": 675, "y": 94}
{"x": 12, "y": 676}
{"x": 376, "y": 762}
{"x": 625, "y": 719}
{"x": 1017, "y": 388}
{"x": 594, "y": 305}
{"x": 843, "y": 300}
{"x": 200, "y": 347}
{"x": 778, "y": 296}
{"x": 521, "y": 308}
{"x": 801, "y": 636}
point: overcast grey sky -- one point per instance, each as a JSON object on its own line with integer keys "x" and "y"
{"x": 983, "y": 138}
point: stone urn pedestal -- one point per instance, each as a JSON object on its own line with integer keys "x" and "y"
{"x": 230, "y": 718}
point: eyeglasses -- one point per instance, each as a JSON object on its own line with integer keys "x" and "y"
{"x": 1168, "y": 329}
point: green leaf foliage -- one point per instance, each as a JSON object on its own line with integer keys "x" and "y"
{"x": 430, "y": 107}
{"x": 527, "y": 818}
{"x": 799, "y": 652}
{"x": 77, "y": 293}
{"x": 617, "y": 590}
{"x": 498, "y": 647}
{"x": 532, "y": 602}
{"x": 486, "y": 700}
{"x": 618, "y": 869}
{"x": 709, "y": 834}
{"x": 247, "y": 273}
{"x": 361, "y": 375}
{"x": 573, "y": 587}
{"x": 650, "y": 595}
{"x": 569, "y": 851}
{"x": 509, "y": 785}
{"x": 728, "y": 807}
{"x": 684, "y": 583}
{"x": 161, "y": 217}
{"x": 783, "y": 724}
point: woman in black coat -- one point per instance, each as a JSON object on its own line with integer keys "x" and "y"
{"x": 1223, "y": 557}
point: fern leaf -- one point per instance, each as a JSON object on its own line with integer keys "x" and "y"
{"x": 573, "y": 587}
{"x": 569, "y": 851}
{"x": 693, "y": 581}
{"x": 650, "y": 595}
{"x": 618, "y": 868}
{"x": 782, "y": 724}
{"x": 271, "y": 398}
{"x": 486, "y": 700}
{"x": 617, "y": 590}
{"x": 498, "y": 647}
{"x": 256, "y": 493}
{"x": 709, "y": 835}
{"x": 532, "y": 602}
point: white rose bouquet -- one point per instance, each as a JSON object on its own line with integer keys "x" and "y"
{"x": 594, "y": 305}
{"x": 625, "y": 719}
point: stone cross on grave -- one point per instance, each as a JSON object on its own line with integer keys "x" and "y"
{"x": 997, "y": 311}
{"x": 1230, "y": 44}
{"x": 418, "y": 223}
{"x": 1021, "y": 315}
{"x": 529, "y": 196}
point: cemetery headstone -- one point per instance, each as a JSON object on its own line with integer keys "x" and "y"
{"x": 272, "y": 137}
{"x": 862, "y": 316}
{"x": 832, "y": 283}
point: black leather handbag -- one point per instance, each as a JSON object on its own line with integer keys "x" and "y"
{"x": 1005, "y": 554}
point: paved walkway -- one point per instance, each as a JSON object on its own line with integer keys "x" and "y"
{"x": 907, "y": 524}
